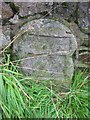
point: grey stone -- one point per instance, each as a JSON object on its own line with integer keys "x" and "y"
{"x": 84, "y": 15}
{"x": 3, "y": 40}
{"x": 6, "y": 11}
{"x": 15, "y": 19}
{"x": 80, "y": 36}
{"x": 46, "y": 50}
{"x": 66, "y": 10}
{"x": 29, "y": 8}
{"x": 6, "y": 31}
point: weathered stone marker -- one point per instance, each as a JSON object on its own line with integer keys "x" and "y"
{"x": 46, "y": 50}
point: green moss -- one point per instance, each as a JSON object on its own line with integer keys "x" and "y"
{"x": 70, "y": 18}
{"x": 65, "y": 4}
{"x": 76, "y": 13}
{"x": 14, "y": 7}
{"x": 86, "y": 31}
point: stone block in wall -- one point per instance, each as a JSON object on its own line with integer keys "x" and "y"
{"x": 6, "y": 11}
{"x": 30, "y": 8}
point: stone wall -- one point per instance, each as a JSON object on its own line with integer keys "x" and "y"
{"x": 73, "y": 15}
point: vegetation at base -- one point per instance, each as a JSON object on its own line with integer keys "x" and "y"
{"x": 23, "y": 97}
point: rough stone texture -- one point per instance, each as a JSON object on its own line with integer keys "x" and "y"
{"x": 3, "y": 43}
{"x": 66, "y": 10}
{"x": 84, "y": 15}
{"x": 6, "y": 31}
{"x": 21, "y": 12}
{"x": 85, "y": 57}
{"x": 81, "y": 38}
{"x": 48, "y": 52}
{"x": 82, "y": 56}
{"x": 0, "y": 10}
{"x": 6, "y": 11}
{"x": 0, "y": 13}
{"x": 3, "y": 39}
{"x": 29, "y": 8}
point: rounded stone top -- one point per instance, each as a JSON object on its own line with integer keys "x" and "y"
{"x": 48, "y": 26}
{"x": 51, "y": 29}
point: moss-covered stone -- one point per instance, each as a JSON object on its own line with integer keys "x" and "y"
{"x": 46, "y": 48}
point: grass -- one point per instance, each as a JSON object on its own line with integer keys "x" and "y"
{"x": 22, "y": 97}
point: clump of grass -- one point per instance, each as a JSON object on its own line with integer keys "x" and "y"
{"x": 12, "y": 102}
{"x": 22, "y": 97}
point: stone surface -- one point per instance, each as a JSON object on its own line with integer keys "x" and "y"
{"x": 0, "y": 13}
{"x": 7, "y": 32}
{"x": 85, "y": 57}
{"x": 80, "y": 37}
{"x": 66, "y": 10}
{"x": 46, "y": 49}
{"x": 29, "y": 8}
{"x": 84, "y": 15}
{"x": 3, "y": 39}
{"x": 20, "y": 12}
{"x": 6, "y": 11}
